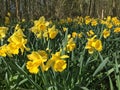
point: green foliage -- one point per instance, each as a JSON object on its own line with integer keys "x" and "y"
{"x": 97, "y": 71}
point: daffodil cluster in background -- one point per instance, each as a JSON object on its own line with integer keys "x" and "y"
{"x": 65, "y": 54}
{"x": 41, "y": 29}
{"x": 39, "y": 58}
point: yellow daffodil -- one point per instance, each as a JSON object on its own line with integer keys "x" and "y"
{"x": 8, "y": 14}
{"x": 69, "y": 36}
{"x": 7, "y": 20}
{"x": 32, "y": 67}
{"x": 108, "y": 18}
{"x": 40, "y": 26}
{"x": 103, "y": 22}
{"x": 109, "y": 25}
{"x": 93, "y": 44}
{"x": 87, "y": 20}
{"x": 45, "y": 34}
{"x": 57, "y": 62}
{"x": 115, "y": 21}
{"x": 117, "y": 30}
{"x": 3, "y": 31}
{"x": 37, "y": 58}
{"x": 12, "y": 49}
{"x": 74, "y": 34}
{"x": 17, "y": 41}
{"x": 59, "y": 65}
{"x": 3, "y": 50}
{"x": 106, "y": 33}
{"x": 23, "y": 20}
{"x": 65, "y": 29}
{"x": 69, "y": 19}
{"x": 71, "y": 45}
{"x": 17, "y": 27}
{"x": 80, "y": 34}
{"x": 52, "y": 32}
{"x": 94, "y": 22}
{"x": 90, "y": 33}
{"x": 97, "y": 45}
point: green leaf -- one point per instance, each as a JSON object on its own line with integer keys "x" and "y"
{"x": 84, "y": 88}
{"x": 111, "y": 84}
{"x": 101, "y": 66}
{"x": 52, "y": 88}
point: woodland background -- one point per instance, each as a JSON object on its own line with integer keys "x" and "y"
{"x": 57, "y": 9}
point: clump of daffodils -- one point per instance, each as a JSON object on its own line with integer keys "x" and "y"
{"x": 16, "y": 44}
{"x": 39, "y": 58}
{"x": 57, "y": 62}
{"x": 40, "y": 26}
{"x": 41, "y": 29}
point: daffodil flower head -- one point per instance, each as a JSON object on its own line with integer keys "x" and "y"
{"x": 40, "y": 26}
{"x": 3, "y": 31}
{"x": 90, "y": 33}
{"x": 70, "y": 45}
{"x": 52, "y": 32}
{"x": 17, "y": 41}
{"x": 117, "y": 30}
{"x": 57, "y": 62}
{"x": 106, "y": 33}
{"x": 3, "y": 50}
{"x": 93, "y": 44}
{"x": 37, "y": 58}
